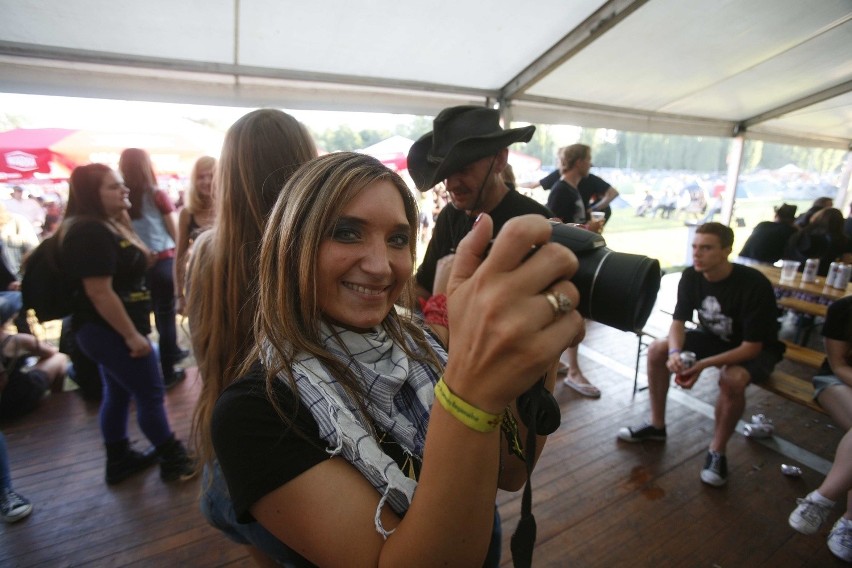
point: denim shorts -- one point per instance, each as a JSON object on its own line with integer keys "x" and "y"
{"x": 822, "y": 382}
{"x": 217, "y": 508}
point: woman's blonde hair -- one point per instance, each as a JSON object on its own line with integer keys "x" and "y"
{"x": 197, "y": 202}
{"x": 288, "y": 314}
{"x": 260, "y": 153}
{"x": 569, "y": 155}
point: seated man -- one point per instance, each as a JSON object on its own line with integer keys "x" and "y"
{"x": 768, "y": 239}
{"x": 737, "y": 332}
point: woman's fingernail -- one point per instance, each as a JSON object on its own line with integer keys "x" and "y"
{"x": 478, "y": 217}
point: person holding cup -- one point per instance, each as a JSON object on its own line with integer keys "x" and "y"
{"x": 737, "y": 333}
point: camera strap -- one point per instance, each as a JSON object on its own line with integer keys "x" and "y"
{"x": 530, "y": 406}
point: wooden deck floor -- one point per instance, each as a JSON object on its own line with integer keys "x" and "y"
{"x": 597, "y": 502}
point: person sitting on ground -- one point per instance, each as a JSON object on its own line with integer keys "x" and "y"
{"x": 13, "y": 505}
{"x": 467, "y": 150}
{"x": 819, "y": 204}
{"x": 196, "y": 215}
{"x": 111, "y": 320}
{"x": 833, "y": 391}
{"x": 261, "y": 151}
{"x": 737, "y": 333}
{"x": 666, "y": 205}
{"x": 338, "y": 370}
{"x": 822, "y": 238}
{"x": 22, "y": 385}
{"x": 769, "y": 238}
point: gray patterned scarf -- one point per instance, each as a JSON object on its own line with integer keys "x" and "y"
{"x": 401, "y": 392}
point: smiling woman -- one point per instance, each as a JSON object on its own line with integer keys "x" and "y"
{"x": 337, "y": 370}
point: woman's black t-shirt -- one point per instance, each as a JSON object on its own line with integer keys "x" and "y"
{"x": 89, "y": 249}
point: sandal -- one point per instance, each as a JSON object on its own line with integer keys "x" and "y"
{"x": 585, "y": 389}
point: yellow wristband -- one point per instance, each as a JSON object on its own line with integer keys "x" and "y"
{"x": 467, "y": 414}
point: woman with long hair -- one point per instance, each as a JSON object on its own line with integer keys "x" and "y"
{"x": 338, "y": 370}
{"x": 152, "y": 214}
{"x": 196, "y": 216}
{"x": 260, "y": 152}
{"x": 111, "y": 321}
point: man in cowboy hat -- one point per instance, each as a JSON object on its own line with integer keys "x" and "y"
{"x": 467, "y": 150}
{"x": 768, "y": 239}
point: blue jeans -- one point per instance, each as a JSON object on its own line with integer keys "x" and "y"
{"x": 160, "y": 279}
{"x": 125, "y": 378}
{"x": 217, "y": 508}
{"x": 10, "y": 304}
{"x": 5, "y": 476}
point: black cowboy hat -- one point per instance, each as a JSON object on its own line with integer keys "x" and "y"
{"x": 460, "y": 135}
{"x": 786, "y": 211}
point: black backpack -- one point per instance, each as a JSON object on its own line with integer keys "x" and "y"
{"x": 45, "y": 287}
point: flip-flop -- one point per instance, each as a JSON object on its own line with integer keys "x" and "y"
{"x": 562, "y": 370}
{"x": 587, "y": 390}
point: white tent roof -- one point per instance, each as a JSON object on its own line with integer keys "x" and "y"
{"x": 780, "y": 69}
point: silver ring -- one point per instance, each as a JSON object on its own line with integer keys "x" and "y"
{"x": 559, "y": 303}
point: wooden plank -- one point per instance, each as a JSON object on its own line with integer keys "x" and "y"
{"x": 802, "y": 354}
{"x": 792, "y": 388}
{"x": 803, "y": 306}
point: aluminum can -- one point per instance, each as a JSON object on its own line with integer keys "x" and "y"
{"x": 809, "y": 274}
{"x": 791, "y": 470}
{"x": 832, "y": 274}
{"x": 760, "y": 427}
{"x": 842, "y": 277}
{"x": 687, "y": 359}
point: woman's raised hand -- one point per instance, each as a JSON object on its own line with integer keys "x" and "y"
{"x": 511, "y": 314}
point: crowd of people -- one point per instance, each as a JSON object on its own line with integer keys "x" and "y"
{"x": 315, "y": 338}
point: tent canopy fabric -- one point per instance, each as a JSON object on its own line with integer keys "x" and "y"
{"x": 778, "y": 70}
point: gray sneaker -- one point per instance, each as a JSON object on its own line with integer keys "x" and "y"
{"x": 642, "y": 433}
{"x": 715, "y": 470}
{"x": 13, "y": 506}
{"x": 809, "y": 516}
{"x": 840, "y": 539}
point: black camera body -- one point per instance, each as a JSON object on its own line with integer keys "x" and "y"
{"x": 616, "y": 289}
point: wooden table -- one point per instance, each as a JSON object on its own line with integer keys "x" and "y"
{"x": 807, "y": 299}
{"x": 804, "y": 289}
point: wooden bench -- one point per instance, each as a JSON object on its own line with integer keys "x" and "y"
{"x": 791, "y": 387}
{"x": 803, "y": 306}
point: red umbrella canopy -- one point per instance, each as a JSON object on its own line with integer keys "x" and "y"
{"x": 25, "y": 152}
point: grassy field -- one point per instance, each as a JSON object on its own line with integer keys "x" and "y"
{"x": 668, "y": 239}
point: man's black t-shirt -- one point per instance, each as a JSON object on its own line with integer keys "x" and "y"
{"x": 90, "y": 249}
{"x": 738, "y": 308}
{"x": 452, "y": 225}
{"x": 837, "y": 325}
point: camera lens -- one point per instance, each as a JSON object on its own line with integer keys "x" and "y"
{"x": 616, "y": 289}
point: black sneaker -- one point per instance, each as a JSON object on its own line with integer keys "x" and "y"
{"x": 175, "y": 464}
{"x": 642, "y": 433}
{"x": 715, "y": 470}
{"x": 175, "y": 377}
{"x": 128, "y": 464}
{"x": 13, "y": 506}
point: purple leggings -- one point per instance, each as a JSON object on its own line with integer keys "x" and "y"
{"x": 125, "y": 378}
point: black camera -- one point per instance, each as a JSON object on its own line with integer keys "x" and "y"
{"x": 616, "y": 289}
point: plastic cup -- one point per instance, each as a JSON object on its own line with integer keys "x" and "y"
{"x": 789, "y": 269}
{"x": 598, "y": 216}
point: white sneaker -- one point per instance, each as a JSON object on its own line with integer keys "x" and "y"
{"x": 809, "y": 516}
{"x": 840, "y": 539}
